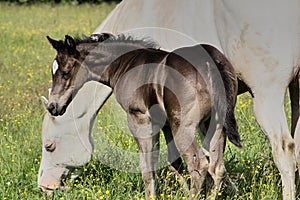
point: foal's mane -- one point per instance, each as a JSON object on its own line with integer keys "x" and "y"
{"x": 145, "y": 42}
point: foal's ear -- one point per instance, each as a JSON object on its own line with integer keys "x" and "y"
{"x": 70, "y": 45}
{"x": 57, "y": 45}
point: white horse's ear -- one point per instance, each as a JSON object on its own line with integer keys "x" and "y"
{"x": 44, "y": 102}
{"x": 49, "y": 91}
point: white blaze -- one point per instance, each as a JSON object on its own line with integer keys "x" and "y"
{"x": 54, "y": 67}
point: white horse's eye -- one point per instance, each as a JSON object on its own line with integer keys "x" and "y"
{"x": 54, "y": 67}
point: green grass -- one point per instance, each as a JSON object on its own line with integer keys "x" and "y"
{"x": 25, "y": 63}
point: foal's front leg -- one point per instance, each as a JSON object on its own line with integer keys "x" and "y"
{"x": 148, "y": 144}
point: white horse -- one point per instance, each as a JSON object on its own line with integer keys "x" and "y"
{"x": 67, "y": 142}
{"x": 260, "y": 37}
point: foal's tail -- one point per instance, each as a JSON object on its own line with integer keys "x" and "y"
{"x": 229, "y": 79}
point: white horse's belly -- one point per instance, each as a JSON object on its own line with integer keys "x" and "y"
{"x": 259, "y": 40}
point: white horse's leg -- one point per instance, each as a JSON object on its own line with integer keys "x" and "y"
{"x": 148, "y": 144}
{"x": 269, "y": 112}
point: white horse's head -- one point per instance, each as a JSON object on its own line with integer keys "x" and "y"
{"x": 67, "y": 143}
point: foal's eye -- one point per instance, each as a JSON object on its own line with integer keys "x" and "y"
{"x": 66, "y": 75}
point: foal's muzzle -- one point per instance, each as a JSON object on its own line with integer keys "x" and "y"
{"x": 55, "y": 109}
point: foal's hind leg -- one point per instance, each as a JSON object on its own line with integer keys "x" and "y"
{"x": 174, "y": 158}
{"x": 216, "y": 165}
{"x": 208, "y": 140}
{"x": 189, "y": 148}
{"x": 148, "y": 144}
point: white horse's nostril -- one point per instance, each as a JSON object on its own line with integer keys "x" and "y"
{"x": 49, "y": 145}
{"x": 46, "y": 190}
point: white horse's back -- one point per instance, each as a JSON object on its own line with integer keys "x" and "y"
{"x": 172, "y": 23}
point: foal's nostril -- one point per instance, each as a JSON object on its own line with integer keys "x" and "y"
{"x": 52, "y": 108}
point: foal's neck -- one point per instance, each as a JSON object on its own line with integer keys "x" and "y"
{"x": 104, "y": 62}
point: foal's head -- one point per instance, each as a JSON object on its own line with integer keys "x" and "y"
{"x": 64, "y": 70}
{"x": 68, "y": 71}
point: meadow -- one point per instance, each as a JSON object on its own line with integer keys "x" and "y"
{"x": 25, "y": 68}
